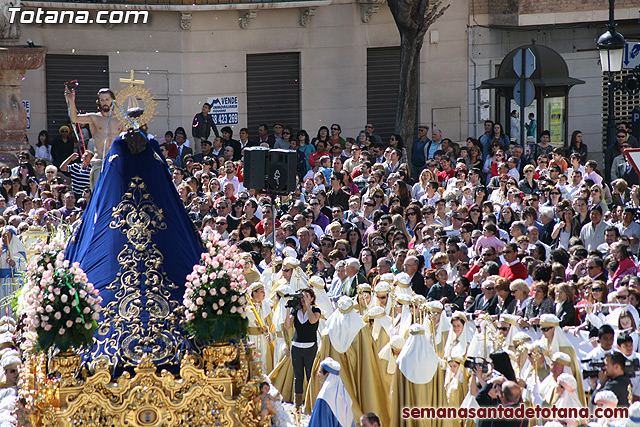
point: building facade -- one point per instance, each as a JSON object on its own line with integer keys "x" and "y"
{"x": 313, "y": 63}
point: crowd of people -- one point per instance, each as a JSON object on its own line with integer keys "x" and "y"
{"x": 513, "y": 266}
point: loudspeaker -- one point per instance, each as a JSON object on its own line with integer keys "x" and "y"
{"x": 255, "y": 167}
{"x": 282, "y": 171}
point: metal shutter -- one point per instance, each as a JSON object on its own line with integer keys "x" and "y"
{"x": 273, "y": 90}
{"x": 92, "y": 73}
{"x": 383, "y": 81}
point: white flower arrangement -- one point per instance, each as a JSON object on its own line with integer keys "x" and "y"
{"x": 59, "y": 305}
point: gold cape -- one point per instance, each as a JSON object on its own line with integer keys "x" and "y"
{"x": 383, "y": 339}
{"x": 455, "y": 399}
{"x": 251, "y": 277}
{"x": 405, "y": 394}
{"x": 362, "y": 373}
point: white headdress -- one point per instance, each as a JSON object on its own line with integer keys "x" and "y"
{"x": 343, "y": 325}
{"x": 380, "y": 321}
{"x": 386, "y": 353}
{"x": 569, "y": 397}
{"x": 417, "y": 348}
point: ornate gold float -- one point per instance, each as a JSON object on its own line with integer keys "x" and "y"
{"x": 219, "y": 394}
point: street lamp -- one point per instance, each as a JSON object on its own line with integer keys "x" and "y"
{"x": 611, "y": 46}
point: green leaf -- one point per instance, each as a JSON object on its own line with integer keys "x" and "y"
{"x": 45, "y": 341}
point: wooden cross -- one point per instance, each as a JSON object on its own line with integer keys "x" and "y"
{"x": 132, "y": 81}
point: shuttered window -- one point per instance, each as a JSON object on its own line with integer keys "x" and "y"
{"x": 383, "y": 80}
{"x": 92, "y": 74}
{"x": 273, "y": 90}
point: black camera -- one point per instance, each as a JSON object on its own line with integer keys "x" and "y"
{"x": 295, "y": 302}
{"x": 472, "y": 362}
{"x": 631, "y": 367}
{"x": 594, "y": 368}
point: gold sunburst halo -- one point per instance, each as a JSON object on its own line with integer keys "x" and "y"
{"x": 139, "y": 93}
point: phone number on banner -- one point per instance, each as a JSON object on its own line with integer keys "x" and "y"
{"x": 225, "y": 118}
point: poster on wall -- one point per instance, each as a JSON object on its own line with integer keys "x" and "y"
{"x": 224, "y": 110}
{"x": 554, "y": 115}
{"x": 530, "y": 122}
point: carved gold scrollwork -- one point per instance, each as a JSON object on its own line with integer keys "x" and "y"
{"x": 67, "y": 365}
{"x": 217, "y": 356}
{"x": 147, "y": 399}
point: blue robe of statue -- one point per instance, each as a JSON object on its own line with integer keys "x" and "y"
{"x": 137, "y": 244}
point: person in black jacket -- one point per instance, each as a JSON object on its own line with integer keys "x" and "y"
{"x": 441, "y": 290}
{"x": 565, "y": 308}
{"x": 411, "y": 266}
{"x": 228, "y": 141}
{"x": 500, "y": 391}
{"x": 337, "y": 196}
{"x": 461, "y": 290}
{"x": 304, "y": 344}
{"x": 506, "y": 303}
{"x": 487, "y": 301}
{"x": 612, "y": 378}
{"x": 201, "y": 127}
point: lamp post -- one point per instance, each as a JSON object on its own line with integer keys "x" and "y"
{"x": 611, "y": 46}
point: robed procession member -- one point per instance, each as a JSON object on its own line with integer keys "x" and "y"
{"x": 346, "y": 340}
{"x": 382, "y": 297}
{"x": 290, "y": 275}
{"x": 403, "y": 284}
{"x": 389, "y": 354}
{"x": 560, "y": 364}
{"x": 271, "y": 274}
{"x": 456, "y": 384}
{"x": 333, "y": 404}
{"x": 363, "y": 298}
{"x": 381, "y": 329}
{"x": 437, "y": 327}
{"x": 249, "y": 270}
{"x": 322, "y": 301}
{"x": 412, "y": 383}
{"x": 260, "y": 328}
{"x": 508, "y": 328}
{"x": 403, "y": 320}
{"x": 282, "y": 374}
{"x": 283, "y": 335}
{"x": 567, "y": 391}
{"x": 460, "y": 335}
{"x": 554, "y": 340}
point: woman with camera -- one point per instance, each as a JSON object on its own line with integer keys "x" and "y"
{"x": 304, "y": 317}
